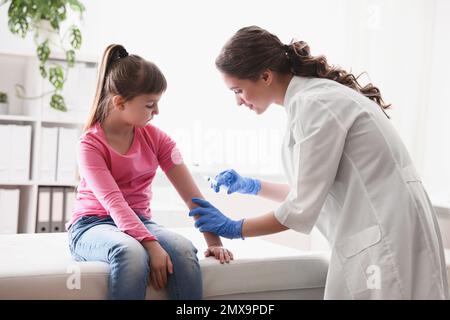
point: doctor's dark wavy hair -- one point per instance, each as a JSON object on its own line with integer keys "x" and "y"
{"x": 253, "y": 50}
{"x": 126, "y": 75}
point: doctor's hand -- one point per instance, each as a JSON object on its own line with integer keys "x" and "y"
{"x": 212, "y": 220}
{"x": 236, "y": 183}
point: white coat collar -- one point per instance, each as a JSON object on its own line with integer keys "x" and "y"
{"x": 295, "y": 86}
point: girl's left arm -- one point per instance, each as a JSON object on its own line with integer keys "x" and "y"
{"x": 181, "y": 179}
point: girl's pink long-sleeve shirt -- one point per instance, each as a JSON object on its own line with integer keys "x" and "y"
{"x": 118, "y": 185}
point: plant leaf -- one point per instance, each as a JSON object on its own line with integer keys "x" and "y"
{"x": 18, "y": 18}
{"x": 70, "y": 57}
{"x": 75, "y": 37}
{"x": 77, "y": 6}
{"x": 57, "y": 77}
{"x": 43, "y": 51}
{"x": 42, "y": 70}
{"x": 57, "y": 14}
{"x": 57, "y": 102}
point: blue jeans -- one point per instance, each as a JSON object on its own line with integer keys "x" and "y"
{"x": 92, "y": 238}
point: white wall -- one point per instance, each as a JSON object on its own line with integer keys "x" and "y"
{"x": 436, "y": 134}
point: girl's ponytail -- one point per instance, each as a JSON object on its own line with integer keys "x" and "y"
{"x": 92, "y": 117}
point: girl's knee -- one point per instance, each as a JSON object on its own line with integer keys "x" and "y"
{"x": 181, "y": 251}
{"x": 184, "y": 248}
{"x": 130, "y": 251}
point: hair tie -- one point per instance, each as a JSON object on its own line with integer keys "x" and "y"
{"x": 121, "y": 53}
{"x": 286, "y": 48}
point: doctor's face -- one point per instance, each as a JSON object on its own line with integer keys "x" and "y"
{"x": 255, "y": 95}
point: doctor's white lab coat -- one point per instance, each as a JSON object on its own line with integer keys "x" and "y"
{"x": 352, "y": 177}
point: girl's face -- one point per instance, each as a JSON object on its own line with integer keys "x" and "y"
{"x": 256, "y": 95}
{"x": 141, "y": 109}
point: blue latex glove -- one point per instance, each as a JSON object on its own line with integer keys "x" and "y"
{"x": 235, "y": 183}
{"x": 212, "y": 220}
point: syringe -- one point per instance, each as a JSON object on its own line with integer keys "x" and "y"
{"x": 212, "y": 181}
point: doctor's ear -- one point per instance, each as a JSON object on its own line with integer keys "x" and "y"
{"x": 267, "y": 77}
{"x": 118, "y": 102}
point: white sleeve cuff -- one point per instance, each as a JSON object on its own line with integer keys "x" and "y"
{"x": 293, "y": 219}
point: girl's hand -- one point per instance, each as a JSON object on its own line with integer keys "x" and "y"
{"x": 222, "y": 254}
{"x": 160, "y": 264}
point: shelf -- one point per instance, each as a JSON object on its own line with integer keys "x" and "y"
{"x": 21, "y": 118}
{"x": 58, "y": 184}
{"x": 80, "y": 58}
{"x": 52, "y": 122}
{"x": 23, "y": 69}
{"x": 43, "y": 183}
{"x": 16, "y": 183}
{"x": 18, "y": 118}
{"x": 13, "y": 117}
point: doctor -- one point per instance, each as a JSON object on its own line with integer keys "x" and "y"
{"x": 349, "y": 173}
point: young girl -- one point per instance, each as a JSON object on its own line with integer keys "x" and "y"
{"x": 118, "y": 156}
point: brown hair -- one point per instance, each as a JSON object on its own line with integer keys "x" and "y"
{"x": 125, "y": 75}
{"x": 252, "y": 50}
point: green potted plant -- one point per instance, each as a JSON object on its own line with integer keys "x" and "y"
{"x": 3, "y": 103}
{"x": 44, "y": 19}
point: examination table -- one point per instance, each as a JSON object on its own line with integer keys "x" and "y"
{"x": 39, "y": 266}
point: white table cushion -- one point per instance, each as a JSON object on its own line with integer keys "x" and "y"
{"x": 39, "y": 266}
